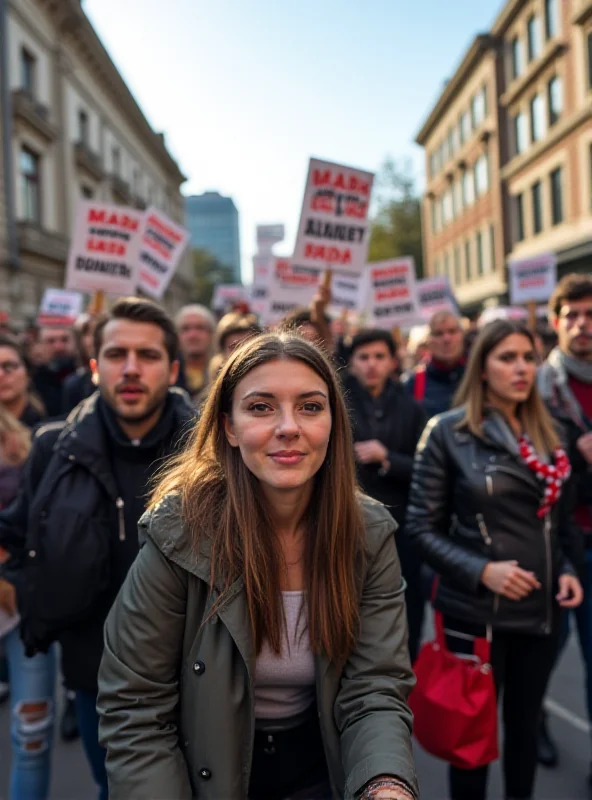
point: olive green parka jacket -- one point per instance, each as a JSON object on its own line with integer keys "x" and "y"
{"x": 176, "y": 696}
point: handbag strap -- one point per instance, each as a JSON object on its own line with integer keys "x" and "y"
{"x": 481, "y": 644}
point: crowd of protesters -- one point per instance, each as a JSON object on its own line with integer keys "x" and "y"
{"x": 222, "y": 541}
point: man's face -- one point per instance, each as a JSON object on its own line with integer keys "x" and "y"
{"x": 133, "y": 368}
{"x": 195, "y": 336}
{"x": 55, "y": 343}
{"x": 574, "y": 328}
{"x": 372, "y": 364}
{"x": 446, "y": 340}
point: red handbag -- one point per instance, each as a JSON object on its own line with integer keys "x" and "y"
{"x": 454, "y": 703}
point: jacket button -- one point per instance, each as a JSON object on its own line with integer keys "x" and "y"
{"x": 205, "y": 774}
{"x": 199, "y": 668}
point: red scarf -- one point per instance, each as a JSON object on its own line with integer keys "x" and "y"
{"x": 554, "y": 475}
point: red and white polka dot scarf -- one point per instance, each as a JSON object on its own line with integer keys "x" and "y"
{"x": 554, "y": 475}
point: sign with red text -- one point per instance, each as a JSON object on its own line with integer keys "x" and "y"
{"x": 334, "y": 227}
{"x": 435, "y": 294}
{"x": 227, "y": 295}
{"x": 533, "y": 279}
{"x": 290, "y": 287}
{"x": 163, "y": 243}
{"x": 104, "y": 250}
{"x": 393, "y": 293}
{"x": 60, "y": 307}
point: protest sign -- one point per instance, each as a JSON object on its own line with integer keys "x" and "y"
{"x": 259, "y": 291}
{"x": 435, "y": 294}
{"x": 227, "y": 295}
{"x": 268, "y": 235}
{"x": 533, "y": 279}
{"x": 393, "y": 293}
{"x": 290, "y": 287}
{"x": 349, "y": 293}
{"x": 104, "y": 250}
{"x": 161, "y": 247}
{"x": 334, "y": 227}
{"x": 60, "y": 307}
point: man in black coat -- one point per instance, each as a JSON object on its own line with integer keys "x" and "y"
{"x": 387, "y": 425}
{"x": 72, "y": 532}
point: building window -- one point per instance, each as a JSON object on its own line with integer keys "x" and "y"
{"x": 479, "y": 242}
{"x": 29, "y": 185}
{"x": 83, "y": 127}
{"x": 116, "y": 157}
{"x": 451, "y": 142}
{"x": 87, "y": 192}
{"x": 556, "y": 196}
{"x": 520, "y": 133}
{"x": 534, "y": 38}
{"x": 482, "y": 175}
{"x": 478, "y": 106}
{"x": 468, "y": 188}
{"x": 537, "y": 118}
{"x": 433, "y": 165}
{"x": 589, "y": 42}
{"x": 551, "y": 18}
{"x": 537, "y": 208}
{"x": 457, "y": 274}
{"x": 436, "y": 266}
{"x": 447, "y": 212}
{"x": 28, "y": 69}
{"x": 517, "y": 58}
{"x": 555, "y": 99}
{"x": 492, "y": 246}
{"x": 468, "y": 268}
{"x": 518, "y": 218}
{"x": 458, "y": 196}
{"x": 434, "y": 216}
{"x": 465, "y": 127}
{"x": 446, "y": 265}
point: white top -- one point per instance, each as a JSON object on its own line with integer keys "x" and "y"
{"x": 285, "y": 684}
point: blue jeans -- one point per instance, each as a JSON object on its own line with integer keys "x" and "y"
{"x": 583, "y": 618}
{"x": 32, "y": 697}
{"x": 88, "y": 725}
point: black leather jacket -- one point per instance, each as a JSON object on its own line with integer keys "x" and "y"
{"x": 473, "y": 500}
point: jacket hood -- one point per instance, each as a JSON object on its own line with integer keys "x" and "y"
{"x": 163, "y": 524}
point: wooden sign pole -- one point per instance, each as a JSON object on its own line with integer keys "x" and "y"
{"x": 397, "y": 336}
{"x": 97, "y": 302}
{"x": 532, "y": 315}
{"x": 328, "y": 278}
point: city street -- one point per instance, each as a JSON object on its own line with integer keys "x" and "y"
{"x": 569, "y": 782}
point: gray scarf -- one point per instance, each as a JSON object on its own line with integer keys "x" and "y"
{"x": 578, "y": 369}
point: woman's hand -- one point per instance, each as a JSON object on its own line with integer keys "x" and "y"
{"x": 7, "y": 597}
{"x": 508, "y": 579}
{"x": 570, "y": 593}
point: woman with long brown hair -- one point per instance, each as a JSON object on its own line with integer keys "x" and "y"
{"x": 486, "y": 512}
{"x": 258, "y": 647}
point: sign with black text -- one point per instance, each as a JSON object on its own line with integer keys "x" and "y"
{"x": 163, "y": 243}
{"x": 60, "y": 307}
{"x": 435, "y": 294}
{"x": 393, "y": 293}
{"x": 533, "y": 279}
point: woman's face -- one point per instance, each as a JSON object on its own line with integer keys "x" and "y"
{"x": 281, "y": 422}
{"x": 510, "y": 370}
{"x": 14, "y": 380}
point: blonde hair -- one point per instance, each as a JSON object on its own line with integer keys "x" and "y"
{"x": 15, "y": 438}
{"x": 532, "y": 413}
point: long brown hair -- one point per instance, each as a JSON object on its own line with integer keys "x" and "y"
{"x": 533, "y": 414}
{"x": 222, "y": 502}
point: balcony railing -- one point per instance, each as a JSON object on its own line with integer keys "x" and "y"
{"x": 28, "y": 110}
{"x": 89, "y": 161}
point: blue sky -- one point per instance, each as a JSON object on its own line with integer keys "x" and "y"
{"x": 247, "y": 90}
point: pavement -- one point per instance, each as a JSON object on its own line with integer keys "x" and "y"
{"x": 71, "y": 778}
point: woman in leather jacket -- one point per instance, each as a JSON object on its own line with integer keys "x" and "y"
{"x": 485, "y": 511}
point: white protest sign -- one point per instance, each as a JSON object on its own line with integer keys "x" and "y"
{"x": 104, "y": 250}
{"x": 435, "y": 294}
{"x": 533, "y": 279}
{"x": 349, "y": 293}
{"x": 393, "y": 293}
{"x": 228, "y": 294}
{"x": 162, "y": 245}
{"x": 259, "y": 293}
{"x": 290, "y": 288}
{"x": 334, "y": 227}
{"x": 60, "y": 307}
{"x": 268, "y": 235}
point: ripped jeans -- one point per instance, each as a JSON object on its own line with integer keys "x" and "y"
{"x": 32, "y": 698}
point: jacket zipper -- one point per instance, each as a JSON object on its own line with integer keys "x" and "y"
{"x": 547, "y": 534}
{"x": 483, "y": 529}
{"x": 121, "y": 517}
{"x": 489, "y": 484}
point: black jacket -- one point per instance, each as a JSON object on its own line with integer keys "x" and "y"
{"x": 474, "y": 501}
{"x": 396, "y": 420}
{"x": 76, "y": 388}
{"x": 67, "y": 535}
{"x": 440, "y": 387}
{"x": 48, "y": 382}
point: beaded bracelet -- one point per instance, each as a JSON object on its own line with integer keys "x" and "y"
{"x": 373, "y": 788}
